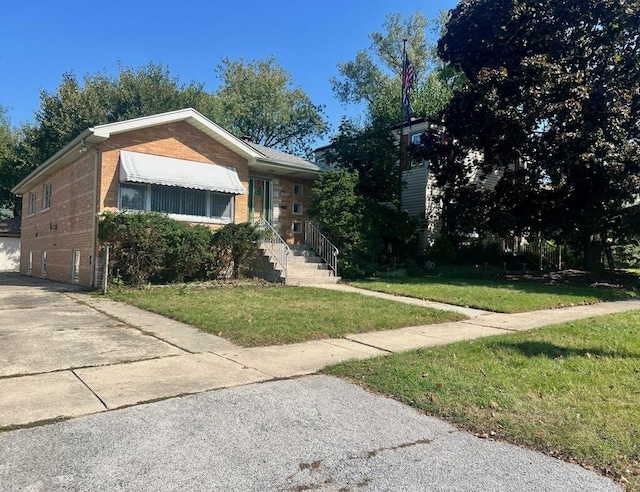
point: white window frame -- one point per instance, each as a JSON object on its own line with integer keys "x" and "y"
{"x": 298, "y": 189}
{"x": 46, "y": 196}
{"x": 296, "y": 227}
{"x": 43, "y": 264}
{"x": 414, "y": 139}
{"x": 29, "y": 262}
{"x": 32, "y": 202}
{"x": 297, "y": 208}
{"x": 208, "y": 218}
{"x": 75, "y": 266}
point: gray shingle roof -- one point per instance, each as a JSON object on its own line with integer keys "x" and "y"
{"x": 281, "y": 157}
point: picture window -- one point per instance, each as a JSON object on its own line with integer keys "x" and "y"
{"x": 177, "y": 201}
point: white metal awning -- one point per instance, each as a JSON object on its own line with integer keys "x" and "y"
{"x": 154, "y": 169}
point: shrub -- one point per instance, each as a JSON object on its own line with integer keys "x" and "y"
{"x": 138, "y": 245}
{"x": 236, "y": 246}
{"x": 153, "y": 248}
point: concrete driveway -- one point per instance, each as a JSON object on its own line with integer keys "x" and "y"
{"x": 42, "y": 330}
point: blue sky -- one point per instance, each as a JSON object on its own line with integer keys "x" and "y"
{"x": 40, "y": 40}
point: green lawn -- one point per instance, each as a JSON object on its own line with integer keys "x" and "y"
{"x": 572, "y": 390}
{"x": 493, "y": 293}
{"x": 254, "y": 316}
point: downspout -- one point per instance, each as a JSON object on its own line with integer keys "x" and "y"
{"x": 94, "y": 214}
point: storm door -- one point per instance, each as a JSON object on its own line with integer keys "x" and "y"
{"x": 260, "y": 204}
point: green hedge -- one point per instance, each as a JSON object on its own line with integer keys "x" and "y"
{"x": 153, "y": 248}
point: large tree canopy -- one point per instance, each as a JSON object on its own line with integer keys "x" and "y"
{"x": 257, "y": 101}
{"x": 553, "y": 87}
{"x": 98, "y": 99}
{"x": 374, "y": 76}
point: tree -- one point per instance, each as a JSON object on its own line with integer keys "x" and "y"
{"x": 99, "y": 99}
{"x": 257, "y": 101}
{"x": 370, "y": 235}
{"x": 374, "y": 76}
{"x": 9, "y": 172}
{"x": 342, "y": 215}
{"x": 372, "y": 151}
{"x": 553, "y": 89}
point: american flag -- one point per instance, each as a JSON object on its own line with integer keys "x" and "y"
{"x": 407, "y": 82}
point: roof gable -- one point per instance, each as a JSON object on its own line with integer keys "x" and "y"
{"x": 256, "y": 154}
{"x": 188, "y": 115}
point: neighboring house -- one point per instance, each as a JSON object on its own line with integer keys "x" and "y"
{"x": 422, "y": 200}
{"x": 420, "y": 195}
{"x": 180, "y": 163}
{"x": 10, "y": 244}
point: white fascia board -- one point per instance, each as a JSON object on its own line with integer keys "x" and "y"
{"x": 45, "y": 168}
{"x": 188, "y": 115}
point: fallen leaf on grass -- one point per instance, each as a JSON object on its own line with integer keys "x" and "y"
{"x": 431, "y": 397}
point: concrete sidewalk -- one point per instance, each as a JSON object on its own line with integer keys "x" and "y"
{"x": 194, "y": 362}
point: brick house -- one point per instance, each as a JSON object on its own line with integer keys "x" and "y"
{"x": 180, "y": 163}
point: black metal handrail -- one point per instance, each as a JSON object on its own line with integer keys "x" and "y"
{"x": 321, "y": 245}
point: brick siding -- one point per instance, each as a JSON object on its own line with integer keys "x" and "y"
{"x": 65, "y": 226}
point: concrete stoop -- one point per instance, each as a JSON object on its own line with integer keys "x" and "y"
{"x": 304, "y": 267}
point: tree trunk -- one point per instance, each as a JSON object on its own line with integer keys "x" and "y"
{"x": 592, "y": 258}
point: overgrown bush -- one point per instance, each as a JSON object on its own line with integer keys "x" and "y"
{"x": 153, "y": 248}
{"x": 371, "y": 236}
{"x": 478, "y": 252}
{"x": 237, "y": 246}
{"x": 627, "y": 255}
{"x": 138, "y": 243}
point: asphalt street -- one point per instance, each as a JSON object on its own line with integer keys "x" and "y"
{"x": 311, "y": 433}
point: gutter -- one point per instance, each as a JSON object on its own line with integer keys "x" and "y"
{"x": 289, "y": 167}
{"x": 94, "y": 215}
{"x": 42, "y": 169}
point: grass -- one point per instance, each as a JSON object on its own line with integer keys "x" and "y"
{"x": 571, "y": 391}
{"x": 492, "y": 293}
{"x": 254, "y": 316}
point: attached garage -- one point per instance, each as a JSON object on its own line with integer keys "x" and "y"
{"x": 10, "y": 245}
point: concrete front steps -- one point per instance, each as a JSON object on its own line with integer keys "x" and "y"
{"x": 304, "y": 267}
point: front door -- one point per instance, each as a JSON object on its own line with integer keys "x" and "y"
{"x": 260, "y": 193}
